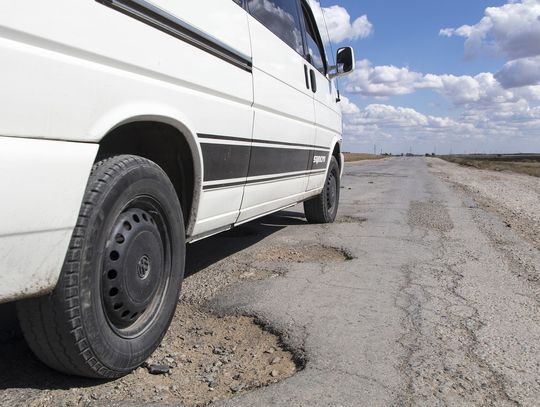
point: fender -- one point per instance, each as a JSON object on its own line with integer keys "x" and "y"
{"x": 163, "y": 114}
{"x": 337, "y": 142}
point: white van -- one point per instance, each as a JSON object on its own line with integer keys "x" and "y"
{"x": 130, "y": 127}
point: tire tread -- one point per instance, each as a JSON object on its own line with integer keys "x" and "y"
{"x": 315, "y": 208}
{"x": 60, "y": 341}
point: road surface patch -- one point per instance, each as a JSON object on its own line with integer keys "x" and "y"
{"x": 304, "y": 254}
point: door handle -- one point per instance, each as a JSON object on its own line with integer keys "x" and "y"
{"x": 313, "y": 80}
{"x": 306, "y": 75}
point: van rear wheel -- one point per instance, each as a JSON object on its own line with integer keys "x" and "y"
{"x": 121, "y": 279}
{"x": 323, "y": 208}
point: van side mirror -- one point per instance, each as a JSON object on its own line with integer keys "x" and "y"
{"x": 345, "y": 63}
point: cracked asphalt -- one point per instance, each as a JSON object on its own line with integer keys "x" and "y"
{"x": 439, "y": 305}
{"x": 425, "y": 292}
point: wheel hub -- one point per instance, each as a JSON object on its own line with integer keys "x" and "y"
{"x": 132, "y": 268}
{"x": 144, "y": 267}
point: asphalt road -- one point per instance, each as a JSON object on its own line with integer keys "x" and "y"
{"x": 431, "y": 311}
{"x": 422, "y": 294}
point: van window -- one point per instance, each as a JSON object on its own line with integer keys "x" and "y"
{"x": 281, "y": 17}
{"x": 314, "y": 44}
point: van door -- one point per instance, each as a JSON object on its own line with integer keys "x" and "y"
{"x": 219, "y": 97}
{"x": 327, "y": 111}
{"x": 284, "y": 130}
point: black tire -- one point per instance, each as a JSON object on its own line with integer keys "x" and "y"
{"x": 323, "y": 208}
{"x": 121, "y": 279}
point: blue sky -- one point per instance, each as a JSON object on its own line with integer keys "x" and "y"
{"x": 404, "y": 36}
{"x": 456, "y": 89}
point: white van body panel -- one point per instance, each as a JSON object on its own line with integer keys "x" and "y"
{"x": 75, "y": 70}
{"x": 38, "y": 210}
{"x": 284, "y": 112}
{"x": 328, "y": 121}
{"x": 118, "y": 85}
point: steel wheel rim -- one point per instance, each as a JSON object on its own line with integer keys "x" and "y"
{"x": 331, "y": 192}
{"x": 135, "y": 274}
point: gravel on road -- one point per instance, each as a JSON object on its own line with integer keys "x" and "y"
{"x": 514, "y": 197}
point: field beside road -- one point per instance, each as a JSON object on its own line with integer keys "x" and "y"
{"x": 352, "y": 157}
{"x": 528, "y": 164}
{"x": 425, "y": 292}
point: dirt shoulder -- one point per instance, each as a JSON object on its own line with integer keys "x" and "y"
{"x": 512, "y": 196}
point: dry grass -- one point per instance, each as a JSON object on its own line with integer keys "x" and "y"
{"x": 351, "y": 157}
{"x": 529, "y": 165}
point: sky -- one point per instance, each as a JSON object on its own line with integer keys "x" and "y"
{"x": 460, "y": 76}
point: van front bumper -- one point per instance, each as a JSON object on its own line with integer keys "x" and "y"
{"x": 42, "y": 183}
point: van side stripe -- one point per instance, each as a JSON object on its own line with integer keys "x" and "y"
{"x": 236, "y": 162}
{"x": 262, "y": 181}
{"x": 246, "y": 140}
{"x": 229, "y": 161}
{"x": 174, "y": 26}
{"x": 222, "y": 161}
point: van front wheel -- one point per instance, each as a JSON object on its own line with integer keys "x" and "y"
{"x": 323, "y": 208}
{"x": 121, "y": 279}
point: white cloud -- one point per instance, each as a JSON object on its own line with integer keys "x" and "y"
{"x": 348, "y": 107}
{"x": 489, "y": 109}
{"x": 531, "y": 93}
{"x": 403, "y": 119}
{"x": 512, "y": 30}
{"x": 520, "y": 72}
{"x": 389, "y": 80}
{"x": 338, "y": 21}
{"x": 395, "y": 129}
{"x": 480, "y": 90}
{"x": 486, "y": 111}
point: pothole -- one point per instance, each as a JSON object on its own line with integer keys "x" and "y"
{"x": 430, "y": 215}
{"x": 203, "y": 358}
{"x": 303, "y": 254}
{"x": 212, "y": 358}
{"x": 351, "y": 219}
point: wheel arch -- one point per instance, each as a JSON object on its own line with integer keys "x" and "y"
{"x": 336, "y": 152}
{"x": 170, "y": 143}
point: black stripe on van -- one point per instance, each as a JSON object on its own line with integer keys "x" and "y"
{"x": 224, "y": 162}
{"x": 274, "y": 160}
{"x": 229, "y": 161}
{"x": 262, "y": 181}
{"x": 169, "y": 24}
